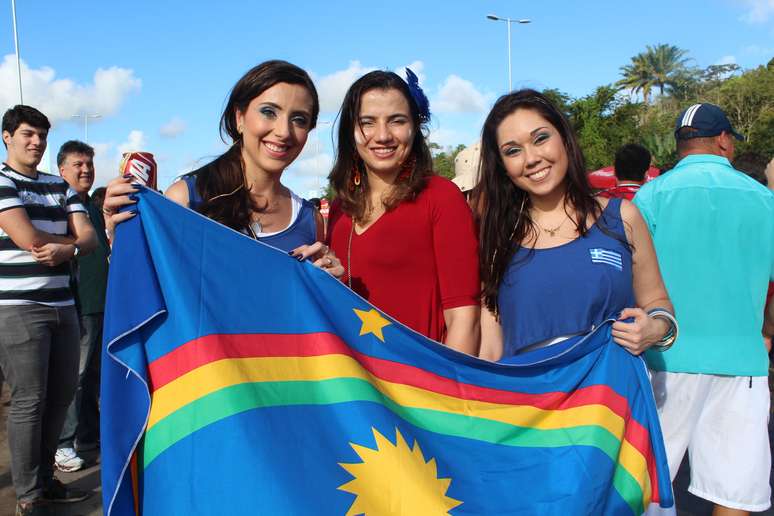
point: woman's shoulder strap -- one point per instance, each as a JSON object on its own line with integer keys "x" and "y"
{"x": 194, "y": 199}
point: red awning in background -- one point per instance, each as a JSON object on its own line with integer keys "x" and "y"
{"x": 605, "y": 177}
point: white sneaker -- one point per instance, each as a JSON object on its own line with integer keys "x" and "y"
{"x": 67, "y": 460}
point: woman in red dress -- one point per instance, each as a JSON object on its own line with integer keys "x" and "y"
{"x": 405, "y": 235}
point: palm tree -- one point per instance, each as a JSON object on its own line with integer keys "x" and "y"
{"x": 637, "y": 77}
{"x": 659, "y": 66}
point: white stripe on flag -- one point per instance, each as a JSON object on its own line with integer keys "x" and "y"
{"x": 617, "y": 265}
{"x": 604, "y": 256}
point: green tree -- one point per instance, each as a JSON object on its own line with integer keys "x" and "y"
{"x": 748, "y": 100}
{"x": 560, "y": 99}
{"x": 604, "y": 122}
{"x": 443, "y": 159}
{"x": 659, "y": 66}
{"x": 637, "y": 77}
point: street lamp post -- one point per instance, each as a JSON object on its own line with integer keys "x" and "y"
{"x": 508, "y": 22}
{"x": 16, "y": 43}
{"x": 86, "y": 117}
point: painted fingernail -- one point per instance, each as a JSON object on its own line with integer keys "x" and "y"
{"x": 291, "y": 253}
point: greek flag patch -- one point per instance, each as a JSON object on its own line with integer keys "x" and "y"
{"x": 599, "y": 255}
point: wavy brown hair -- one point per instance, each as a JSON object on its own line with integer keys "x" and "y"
{"x": 221, "y": 183}
{"x": 356, "y": 202}
{"x": 503, "y": 210}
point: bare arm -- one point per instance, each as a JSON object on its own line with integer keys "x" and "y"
{"x": 649, "y": 289}
{"x": 178, "y": 192}
{"x": 491, "y": 337}
{"x": 83, "y": 236}
{"x": 18, "y": 226}
{"x": 82, "y": 231}
{"x": 320, "y": 224}
{"x": 462, "y": 328}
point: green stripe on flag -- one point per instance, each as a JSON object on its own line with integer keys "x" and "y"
{"x": 242, "y": 397}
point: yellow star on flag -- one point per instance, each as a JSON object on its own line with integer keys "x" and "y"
{"x": 373, "y": 322}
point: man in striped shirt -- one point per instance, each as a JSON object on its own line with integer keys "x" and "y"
{"x": 43, "y": 225}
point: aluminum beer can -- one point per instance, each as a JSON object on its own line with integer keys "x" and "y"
{"x": 141, "y": 166}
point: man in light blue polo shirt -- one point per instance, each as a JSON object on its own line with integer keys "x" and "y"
{"x": 713, "y": 229}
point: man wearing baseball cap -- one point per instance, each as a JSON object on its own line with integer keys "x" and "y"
{"x": 713, "y": 229}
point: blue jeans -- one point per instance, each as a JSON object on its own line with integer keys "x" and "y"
{"x": 82, "y": 421}
{"x": 39, "y": 358}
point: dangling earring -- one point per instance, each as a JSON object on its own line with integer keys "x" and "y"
{"x": 355, "y": 178}
{"x": 407, "y": 168}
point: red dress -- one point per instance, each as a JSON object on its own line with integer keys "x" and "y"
{"x": 415, "y": 261}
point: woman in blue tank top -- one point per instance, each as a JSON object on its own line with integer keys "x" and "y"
{"x": 557, "y": 262}
{"x": 269, "y": 114}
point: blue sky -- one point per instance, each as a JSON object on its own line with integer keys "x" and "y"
{"x": 159, "y": 72}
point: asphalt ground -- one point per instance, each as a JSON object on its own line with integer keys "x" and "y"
{"x": 88, "y": 479}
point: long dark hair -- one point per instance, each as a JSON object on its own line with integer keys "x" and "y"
{"x": 355, "y": 201}
{"x": 503, "y": 210}
{"x": 221, "y": 183}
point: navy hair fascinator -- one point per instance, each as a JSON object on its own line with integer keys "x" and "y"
{"x": 418, "y": 95}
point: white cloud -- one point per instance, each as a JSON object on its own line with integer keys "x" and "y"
{"x": 59, "y": 99}
{"x": 726, "y": 60}
{"x": 135, "y": 142}
{"x": 107, "y": 156}
{"x": 315, "y": 166}
{"x": 446, "y": 137}
{"x": 758, "y": 11}
{"x": 173, "y": 128}
{"x": 331, "y": 88}
{"x": 457, "y": 95}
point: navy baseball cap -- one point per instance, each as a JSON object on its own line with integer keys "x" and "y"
{"x": 707, "y": 119}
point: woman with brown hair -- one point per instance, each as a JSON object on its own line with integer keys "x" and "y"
{"x": 557, "y": 262}
{"x": 269, "y": 114}
{"x": 405, "y": 235}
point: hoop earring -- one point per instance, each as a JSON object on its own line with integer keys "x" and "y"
{"x": 407, "y": 169}
{"x": 355, "y": 177}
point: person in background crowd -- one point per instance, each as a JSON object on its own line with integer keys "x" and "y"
{"x": 406, "y": 235}
{"x": 269, "y": 114}
{"x": 631, "y": 164}
{"x": 315, "y": 201}
{"x": 43, "y": 225}
{"x": 81, "y": 428}
{"x": 98, "y": 197}
{"x": 713, "y": 227}
{"x": 556, "y": 262}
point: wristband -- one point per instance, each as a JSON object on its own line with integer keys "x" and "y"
{"x": 670, "y": 336}
{"x": 77, "y": 251}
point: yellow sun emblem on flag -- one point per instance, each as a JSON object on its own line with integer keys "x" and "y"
{"x": 395, "y": 479}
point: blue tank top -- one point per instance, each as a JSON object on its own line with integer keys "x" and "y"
{"x": 302, "y": 231}
{"x": 568, "y": 289}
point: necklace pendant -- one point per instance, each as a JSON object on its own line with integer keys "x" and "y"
{"x": 551, "y": 232}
